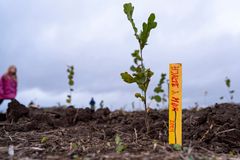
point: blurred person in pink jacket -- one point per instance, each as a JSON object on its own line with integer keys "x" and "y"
{"x": 8, "y": 84}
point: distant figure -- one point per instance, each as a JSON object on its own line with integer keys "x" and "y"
{"x": 8, "y": 84}
{"x": 101, "y": 104}
{"x": 92, "y": 103}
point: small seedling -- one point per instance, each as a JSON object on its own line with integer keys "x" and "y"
{"x": 70, "y": 71}
{"x": 230, "y": 91}
{"x": 120, "y": 147}
{"x": 44, "y": 139}
{"x": 177, "y": 147}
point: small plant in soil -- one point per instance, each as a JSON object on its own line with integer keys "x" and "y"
{"x": 177, "y": 147}
{"x": 44, "y": 139}
{"x": 140, "y": 75}
{"x": 70, "y": 71}
{"x": 120, "y": 147}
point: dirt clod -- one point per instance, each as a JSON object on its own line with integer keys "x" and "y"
{"x": 16, "y": 111}
{"x": 3, "y": 117}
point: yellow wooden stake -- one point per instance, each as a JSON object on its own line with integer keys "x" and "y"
{"x": 175, "y": 104}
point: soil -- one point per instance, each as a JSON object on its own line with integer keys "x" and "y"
{"x": 69, "y": 133}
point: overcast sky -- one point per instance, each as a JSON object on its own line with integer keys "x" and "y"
{"x": 42, "y": 37}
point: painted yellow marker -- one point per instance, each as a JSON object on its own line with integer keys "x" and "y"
{"x": 175, "y": 104}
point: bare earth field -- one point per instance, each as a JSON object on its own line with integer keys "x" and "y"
{"x": 68, "y": 133}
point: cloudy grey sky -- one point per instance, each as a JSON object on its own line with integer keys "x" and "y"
{"x": 42, "y": 37}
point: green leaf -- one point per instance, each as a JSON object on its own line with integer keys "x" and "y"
{"x": 120, "y": 148}
{"x": 68, "y": 100}
{"x": 146, "y": 29}
{"x": 228, "y": 82}
{"x": 140, "y": 78}
{"x": 138, "y": 95}
{"x": 158, "y": 90}
{"x": 177, "y": 147}
{"x": 128, "y": 10}
{"x": 70, "y": 76}
{"x": 149, "y": 73}
{"x": 71, "y": 82}
{"x": 127, "y": 77}
{"x": 133, "y": 68}
{"x": 157, "y": 98}
{"x": 163, "y": 78}
{"x": 44, "y": 139}
{"x": 136, "y": 56}
{"x": 117, "y": 139}
{"x": 151, "y": 22}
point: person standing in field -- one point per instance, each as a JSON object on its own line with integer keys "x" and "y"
{"x": 92, "y": 103}
{"x": 8, "y": 84}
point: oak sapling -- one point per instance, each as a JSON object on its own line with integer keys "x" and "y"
{"x": 70, "y": 71}
{"x": 140, "y": 75}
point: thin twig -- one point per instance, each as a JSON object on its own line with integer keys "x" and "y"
{"x": 228, "y": 130}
